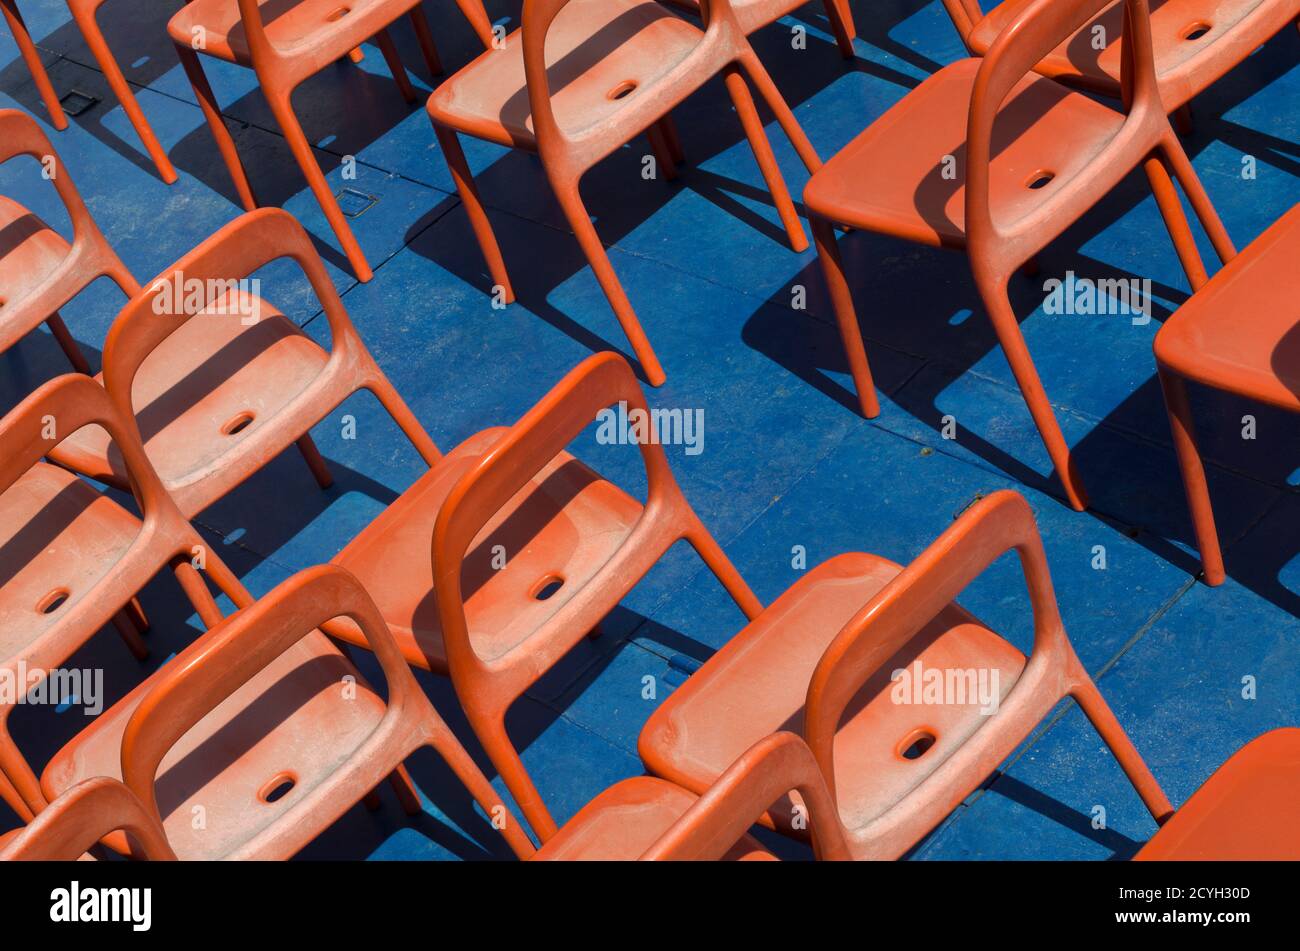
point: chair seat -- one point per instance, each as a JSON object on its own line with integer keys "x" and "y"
{"x": 598, "y": 54}
{"x": 1195, "y": 42}
{"x": 58, "y": 538}
{"x": 874, "y": 185}
{"x": 1241, "y": 331}
{"x": 295, "y": 721}
{"x": 30, "y": 250}
{"x": 205, "y": 389}
{"x": 626, "y": 819}
{"x": 1247, "y": 811}
{"x": 758, "y": 682}
{"x": 292, "y": 26}
{"x": 561, "y": 527}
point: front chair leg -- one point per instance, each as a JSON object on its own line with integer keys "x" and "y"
{"x": 1193, "y": 471}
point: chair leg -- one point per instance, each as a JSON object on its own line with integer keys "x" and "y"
{"x": 662, "y": 153}
{"x": 1016, "y": 351}
{"x": 711, "y": 553}
{"x": 1193, "y": 471}
{"x": 1200, "y": 200}
{"x": 17, "y": 771}
{"x": 428, "y": 49}
{"x": 576, "y": 212}
{"x": 196, "y": 592}
{"x": 32, "y": 57}
{"x": 841, "y": 16}
{"x": 762, "y": 149}
{"x": 471, "y": 777}
{"x": 66, "y": 341}
{"x": 130, "y": 636}
{"x": 282, "y": 109}
{"x": 846, "y": 318}
{"x": 404, "y": 789}
{"x": 1171, "y": 210}
{"x": 14, "y": 801}
{"x": 785, "y": 118}
{"x": 473, "y": 11}
{"x": 669, "y": 129}
{"x": 1103, "y": 720}
{"x": 491, "y": 732}
{"x": 85, "y": 19}
{"x": 396, "y": 407}
{"x": 1183, "y": 119}
{"x": 478, "y": 219}
{"x": 315, "y": 461}
{"x": 394, "y": 61}
{"x": 225, "y": 142}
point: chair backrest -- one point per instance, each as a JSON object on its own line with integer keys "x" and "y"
{"x": 200, "y": 283}
{"x": 899, "y": 611}
{"x": 225, "y": 658}
{"x": 768, "y": 770}
{"x": 58, "y": 409}
{"x": 580, "y": 149}
{"x": 91, "y": 254}
{"x": 572, "y": 405}
{"x": 83, "y": 815}
{"x": 20, "y": 134}
{"x": 1041, "y": 27}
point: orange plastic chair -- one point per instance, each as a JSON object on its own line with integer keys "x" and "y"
{"x": 1196, "y": 42}
{"x": 821, "y": 658}
{"x": 988, "y": 156}
{"x": 219, "y": 391}
{"x": 1239, "y": 334}
{"x": 39, "y": 271}
{"x": 753, "y": 15}
{"x": 580, "y": 79}
{"x": 82, "y": 816}
{"x": 71, "y": 559}
{"x": 1246, "y": 811}
{"x": 572, "y": 544}
{"x": 652, "y": 819}
{"x": 286, "y": 44}
{"x": 84, "y": 14}
{"x": 263, "y": 730}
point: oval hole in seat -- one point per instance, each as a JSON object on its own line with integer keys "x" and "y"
{"x": 547, "y": 587}
{"x": 238, "y": 422}
{"x": 52, "y": 601}
{"x": 1196, "y": 30}
{"x": 277, "y": 787}
{"x": 1039, "y": 179}
{"x": 622, "y": 90}
{"x": 916, "y": 744}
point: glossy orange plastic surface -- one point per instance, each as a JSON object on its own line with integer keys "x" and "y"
{"x": 653, "y": 819}
{"x": 264, "y": 727}
{"x": 581, "y": 78}
{"x": 1246, "y": 811}
{"x": 221, "y": 387}
{"x": 71, "y": 559}
{"x": 820, "y": 661}
{"x": 82, "y": 816}
{"x": 989, "y": 156}
{"x": 509, "y": 552}
{"x": 1238, "y": 333}
{"x": 39, "y": 271}
{"x": 1196, "y": 42}
{"x": 285, "y": 44}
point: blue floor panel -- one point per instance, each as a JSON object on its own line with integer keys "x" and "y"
{"x": 744, "y": 328}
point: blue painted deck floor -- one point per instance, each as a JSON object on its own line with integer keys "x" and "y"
{"x": 786, "y": 459}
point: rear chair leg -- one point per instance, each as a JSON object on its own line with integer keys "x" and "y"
{"x": 1193, "y": 471}
{"x": 315, "y": 461}
{"x": 762, "y": 148}
{"x": 478, "y": 219}
{"x": 69, "y": 345}
{"x": 845, "y": 316}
